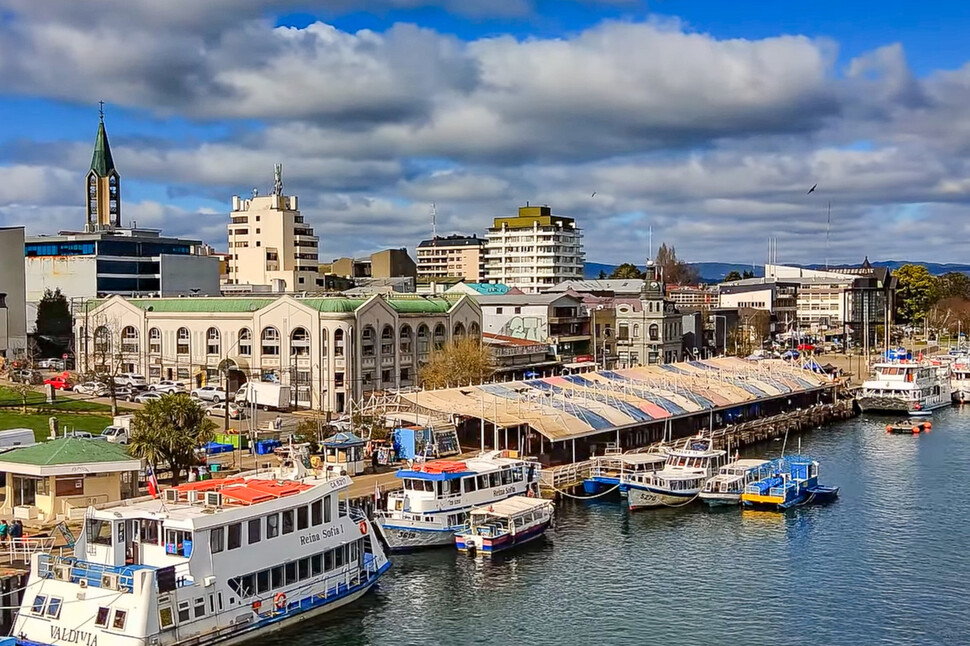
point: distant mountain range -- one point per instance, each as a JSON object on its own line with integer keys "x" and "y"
{"x": 714, "y": 272}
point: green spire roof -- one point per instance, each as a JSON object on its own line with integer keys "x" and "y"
{"x": 101, "y": 163}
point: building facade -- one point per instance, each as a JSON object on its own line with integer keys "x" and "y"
{"x": 13, "y": 294}
{"x": 649, "y": 329}
{"x": 454, "y": 256}
{"x": 534, "y": 250}
{"x": 329, "y": 350}
{"x": 558, "y": 320}
{"x": 270, "y": 243}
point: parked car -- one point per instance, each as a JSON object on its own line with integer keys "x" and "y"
{"x": 95, "y": 388}
{"x": 132, "y": 380}
{"x": 144, "y": 398}
{"x": 115, "y": 434}
{"x": 167, "y": 386}
{"x": 125, "y": 393}
{"x": 59, "y": 382}
{"x": 219, "y": 410}
{"x": 213, "y": 394}
{"x": 27, "y": 376}
{"x": 83, "y": 435}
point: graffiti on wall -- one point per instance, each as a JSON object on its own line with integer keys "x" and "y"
{"x": 531, "y": 328}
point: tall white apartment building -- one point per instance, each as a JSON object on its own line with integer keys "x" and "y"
{"x": 534, "y": 250}
{"x": 270, "y": 244}
{"x": 453, "y": 256}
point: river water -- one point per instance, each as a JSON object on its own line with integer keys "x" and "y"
{"x": 888, "y": 563}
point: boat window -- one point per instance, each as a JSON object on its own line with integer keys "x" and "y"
{"x": 316, "y": 512}
{"x": 262, "y": 581}
{"x": 199, "y": 609}
{"x": 470, "y": 484}
{"x": 255, "y": 535}
{"x": 304, "y": 568}
{"x": 483, "y": 481}
{"x": 339, "y": 556}
{"x": 327, "y": 509}
{"x": 235, "y": 536}
{"x": 518, "y": 474}
{"x": 248, "y": 585}
{"x": 493, "y": 479}
{"x": 178, "y": 542}
{"x": 150, "y": 532}
{"x": 328, "y": 560}
{"x": 278, "y": 580}
{"x": 38, "y": 607}
{"x": 99, "y": 531}
{"x": 288, "y": 521}
{"x": 184, "y": 605}
{"x": 316, "y": 564}
{"x": 54, "y": 607}
{"x": 302, "y": 517}
{"x": 272, "y": 526}
{"x": 102, "y": 619}
{"x": 217, "y": 539}
{"x": 291, "y": 573}
{"x": 506, "y": 476}
{"x": 119, "y": 622}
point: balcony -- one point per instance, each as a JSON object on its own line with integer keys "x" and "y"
{"x": 368, "y": 362}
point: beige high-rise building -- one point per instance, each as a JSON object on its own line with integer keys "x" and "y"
{"x": 270, "y": 244}
{"x": 452, "y": 256}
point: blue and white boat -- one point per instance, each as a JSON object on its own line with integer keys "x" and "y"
{"x": 726, "y": 487}
{"x": 437, "y": 496}
{"x": 792, "y": 481}
{"x": 606, "y": 471}
{"x": 504, "y": 525}
{"x": 688, "y": 467}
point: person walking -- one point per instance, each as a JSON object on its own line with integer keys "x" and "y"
{"x": 16, "y": 532}
{"x": 278, "y": 424}
{"x": 3, "y": 531}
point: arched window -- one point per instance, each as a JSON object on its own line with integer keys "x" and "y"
{"x": 406, "y": 340}
{"x": 245, "y": 342}
{"x": 636, "y": 330}
{"x": 102, "y": 342}
{"x": 367, "y": 341}
{"x": 474, "y": 330}
{"x": 129, "y": 340}
{"x": 387, "y": 341}
{"x": 270, "y": 341}
{"x": 323, "y": 343}
{"x": 654, "y": 332}
{"x": 213, "y": 341}
{"x": 424, "y": 339}
{"x": 299, "y": 342}
{"x": 155, "y": 341}
{"x": 182, "y": 341}
{"x": 459, "y": 330}
{"x": 338, "y": 342}
{"x": 439, "y": 336}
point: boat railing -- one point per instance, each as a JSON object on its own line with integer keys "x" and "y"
{"x": 566, "y": 475}
{"x": 22, "y": 549}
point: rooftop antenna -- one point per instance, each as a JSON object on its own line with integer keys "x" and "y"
{"x": 434, "y": 221}
{"x": 828, "y": 228}
{"x": 101, "y": 109}
{"x": 278, "y": 179}
{"x": 650, "y": 249}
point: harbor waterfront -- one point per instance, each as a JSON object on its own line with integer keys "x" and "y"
{"x": 883, "y": 564}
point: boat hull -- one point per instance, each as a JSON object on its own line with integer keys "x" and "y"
{"x": 407, "y": 539}
{"x": 489, "y": 546}
{"x": 598, "y": 485}
{"x": 646, "y": 498}
{"x": 895, "y": 405}
{"x": 719, "y": 499}
{"x": 961, "y": 396}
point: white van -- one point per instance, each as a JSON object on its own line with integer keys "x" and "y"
{"x": 14, "y": 437}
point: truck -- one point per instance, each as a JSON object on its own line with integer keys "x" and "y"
{"x": 266, "y": 395}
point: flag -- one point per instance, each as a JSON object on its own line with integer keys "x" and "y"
{"x": 152, "y": 482}
{"x": 737, "y": 454}
{"x": 377, "y": 493}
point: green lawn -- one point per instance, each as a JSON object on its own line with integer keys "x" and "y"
{"x": 62, "y": 409}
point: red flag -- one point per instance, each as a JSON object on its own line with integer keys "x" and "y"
{"x": 152, "y": 482}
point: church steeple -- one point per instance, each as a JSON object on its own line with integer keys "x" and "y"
{"x": 103, "y": 184}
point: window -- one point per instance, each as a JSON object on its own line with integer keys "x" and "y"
{"x": 38, "y": 607}
{"x": 245, "y": 342}
{"x": 119, "y": 622}
{"x": 654, "y": 332}
{"x": 302, "y": 517}
{"x": 273, "y": 526}
{"x": 199, "y": 605}
{"x": 367, "y": 342}
{"x": 262, "y": 581}
{"x": 102, "y": 619}
{"x": 212, "y": 341}
{"x": 316, "y": 513}
{"x": 288, "y": 521}
{"x": 69, "y": 486}
{"x": 636, "y": 330}
{"x": 405, "y": 333}
{"x": 270, "y": 341}
{"x": 623, "y": 331}
{"x": 182, "y": 341}
{"x": 129, "y": 340}
{"x": 498, "y": 310}
{"x": 278, "y": 580}
{"x": 99, "y": 531}
{"x": 291, "y": 576}
{"x": 54, "y": 607}
{"x": 155, "y": 341}
{"x": 338, "y": 343}
{"x": 254, "y": 531}
{"x": 235, "y": 536}
{"x": 304, "y": 568}
{"x": 102, "y": 341}
{"x": 217, "y": 539}
{"x": 182, "y": 373}
{"x": 439, "y": 336}
{"x": 165, "y": 618}
{"x": 328, "y": 560}
{"x": 300, "y": 342}
{"x": 517, "y": 310}
{"x": 316, "y": 564}
{"x": 323, "y": 342}
{"x": 424, "y": 339}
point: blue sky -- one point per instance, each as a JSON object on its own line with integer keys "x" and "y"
{"x": 702, "y": 119}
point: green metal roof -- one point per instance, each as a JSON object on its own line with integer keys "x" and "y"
{"x": 67, "y": 450}
{"x": 101, "y": 162}
{"x": 420, "y": 305}
{"x": 331, "y": 304}
{"x": 201, "y": 304}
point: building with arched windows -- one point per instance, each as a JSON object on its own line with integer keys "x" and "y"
{"x": 329, "y": 350}
{"x": 649, "y": 329}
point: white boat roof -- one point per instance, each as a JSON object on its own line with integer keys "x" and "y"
{"x": 512, "y": 506}
{"x": 644, "y": 458}
{"x": 745, "y": 463}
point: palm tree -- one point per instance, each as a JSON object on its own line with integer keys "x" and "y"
{"x": 169, "y": 430}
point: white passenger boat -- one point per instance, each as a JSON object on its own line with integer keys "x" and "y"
{"x": 437, "y": 496}
{"x": 504, "y": 525}
{"x": 960, "y": 382}
{"x": 688, "y": 467}
{"x": 212, "y": 562}
{"x": 906, "y": 387}
{"x": 726, "y": 487}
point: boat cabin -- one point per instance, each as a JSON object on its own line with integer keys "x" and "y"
{"x": 343, "y": 454}
{"x": 508, "y": 516}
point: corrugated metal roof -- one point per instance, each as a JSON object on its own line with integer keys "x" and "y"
{"x": 331, "y": 304}
{"x": 207, "y": 304}
{"x": 67, "y": 450}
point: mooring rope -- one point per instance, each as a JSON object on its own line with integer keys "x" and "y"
{"x": 598, "y": 495}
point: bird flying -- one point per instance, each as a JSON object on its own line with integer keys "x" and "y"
{"x": 811, "y": 190}
{"x": 594, "y": 194}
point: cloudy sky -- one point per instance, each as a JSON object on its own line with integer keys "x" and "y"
{"x": 706, "y": 120}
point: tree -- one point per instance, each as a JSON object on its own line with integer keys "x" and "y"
{"x": 626, "y": 270}
{"x": 462, "y": 361}
{"x": 732, "y": 276}
{"x": 672, "y": 270}
{"x": 601, "y": 275}
{"x": 53, "y": 315}
{"x": 953, "y": 284}
{"x": 951, "y": 315}
{"x": 915, "y": 294}
{"x": 749, "y": 334}
{"x": 747, "y": 274}
{"x": 169, "y": 430}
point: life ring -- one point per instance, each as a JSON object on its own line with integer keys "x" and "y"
{"x": 279, "y": 601}
{"x": 531, "y": 493}
{"x": 363, "y": 526}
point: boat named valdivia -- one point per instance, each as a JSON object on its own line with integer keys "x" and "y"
{"x": 212, "y": 562}
{"x": 906, "y": 387}
{"x": 437, "y": 496}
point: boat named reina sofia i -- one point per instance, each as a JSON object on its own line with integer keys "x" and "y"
{"x": 212, "y": 562}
